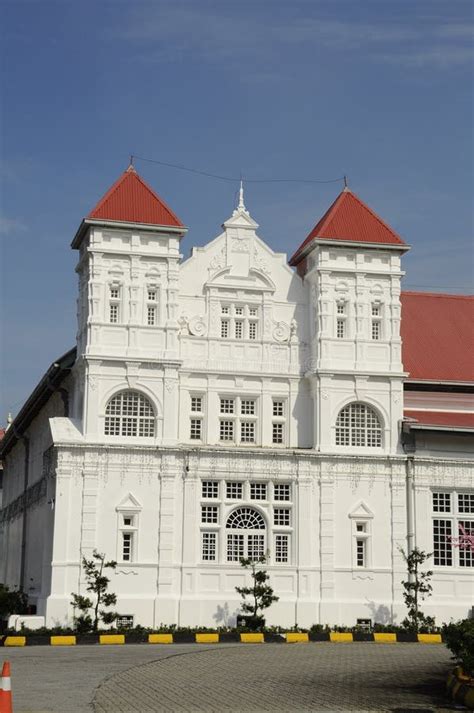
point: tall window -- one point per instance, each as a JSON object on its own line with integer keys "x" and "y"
{"x": 239, "y": 321}
{"x": 238, "y": 420}
{"x": 128, "y": 528}
{"x": 245, "y": 534}
{"x": 453, "y": 516}
{"x": 114, "y": 303}
{"x": 362, "y": 540}
{"x": 197, "y": 414}
{"x": 151, "y": 306}
{"x": 358, "y": 425}
{"x": 129, "y": 413}
{"x": 278, "y": 421}
{"x": 376, "y": 326}
{"x": 341, "y": 320}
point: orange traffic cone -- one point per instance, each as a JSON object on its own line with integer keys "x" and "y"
{"x": 6, "y": 705}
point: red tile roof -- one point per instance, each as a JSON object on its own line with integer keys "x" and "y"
{"x": 442, "y": 418}
{"x": 350, "y": 219}
{"x": 131, "y": 200}
{"x": 437, "y": 336}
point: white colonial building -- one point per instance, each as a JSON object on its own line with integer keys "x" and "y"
{"x": 230, "y": 404}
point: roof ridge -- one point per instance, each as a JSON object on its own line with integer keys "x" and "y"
{"x": 437, "y": 294}
{"x": 155, "y": 195}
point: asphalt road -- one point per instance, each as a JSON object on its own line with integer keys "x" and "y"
{"x": 402, "y": 678}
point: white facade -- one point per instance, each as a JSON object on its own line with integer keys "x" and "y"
{"x": 216, "y": 385}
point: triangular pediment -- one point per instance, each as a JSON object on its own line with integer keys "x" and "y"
{"x": 129, "y": 502}
{"x": 361, "y": 511}
{"x": 240, "y": 219}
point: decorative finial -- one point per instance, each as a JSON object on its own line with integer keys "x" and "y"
{"x": 131, "y": 167}
{"x": 241, "y": 196}
{"x": 346, "y": 187}
{"x": 9, "y": 420}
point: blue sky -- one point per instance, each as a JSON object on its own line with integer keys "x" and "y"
{"x": 378, "y": 90}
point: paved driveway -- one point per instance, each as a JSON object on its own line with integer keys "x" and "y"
{"x": 402, "y": 678}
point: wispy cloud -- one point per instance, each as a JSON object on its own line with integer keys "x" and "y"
{"x": 11, "y": 225}
{"x": 173, "y": 33}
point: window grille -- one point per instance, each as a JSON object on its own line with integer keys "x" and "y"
{"x": 358, "y": 425}
{"x": 196, "y": 404}
{"x": 239, "y": 310}
{"x": 234, "y": 491}
{"x": 281, "y": 548}
{"x": 341, "y": 308}
{"x": 235, "y": 547}
{"x": 114, "y": 314}
{"x": 341, "y": 328}
{"x": 129, "y": 414}
{"x": 375, "y": 310}
{"x": 151, "y": 316}
{"x": 210, "y": 514}
{"x": 443, "y": 550}
{"x": 224, "y": 328}
{"x": 247, "y": 407}
{"x": 127, "y": 543}
{"x": 277, "y": 433}
{"x": 441, "y": 502}
{"x": 227, "y": 406}
{"x": 466, "y": 555}
{"x": 360, "y": 553}
{"x": 245, "y": 519}
{"x": 253, "y": 311}
{"x": 258, "y": 491}
{"x": 151, "y": 295}
{"x": 226, "y": 430}
{"x": 282, "y": 491}
{"x": 281, "y": 516}
{"x": 210, "y": 488}
{"x": 209, "y": 546}
{"x": 114, "y": 293}
{"x": 239, "y": 329}
{"x": 278, "y": 408}
{"x": 225, "y": 309}
{"x": 247, "y": 432}
{"x": 465, "y": 502}
{"x": 255, "y": 546}
{"x": 458, "y": 508}
{"x": 376, "y": 330}
{"x": 196, "y": 429}
{"x": 253, "y": 330}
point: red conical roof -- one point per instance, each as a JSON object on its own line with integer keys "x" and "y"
{"x": 350, "y": 219}
{"x": 131, "y": 200}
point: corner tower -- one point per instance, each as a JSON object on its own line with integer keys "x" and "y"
{"x": 351, "y": 262}
{"x": 127, "y": 334}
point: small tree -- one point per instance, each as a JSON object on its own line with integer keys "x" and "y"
{"x": 260, "y": 592}
{"x": 417, "y": 587}
{"x": 12, "y": 602}
{"x": 97, "y": 583}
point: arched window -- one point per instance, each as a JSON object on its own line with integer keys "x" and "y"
{"x": 358, "y": 425}
{"x": 249, "y": 541}
{"x": 129, "y": 413}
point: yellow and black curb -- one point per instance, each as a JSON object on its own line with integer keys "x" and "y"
{"x": 461, "y": 688}
{"x": 184, "y": 637}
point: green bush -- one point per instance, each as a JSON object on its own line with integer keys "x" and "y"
{"x": 12, "y": 602}
{"x": 459, "y": 638}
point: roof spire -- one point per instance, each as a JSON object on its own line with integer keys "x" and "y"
{"x": 131, "y": 167}
{"x": 241, "y": 196}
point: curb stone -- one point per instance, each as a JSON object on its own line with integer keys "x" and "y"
{"x": 208, "y": 637}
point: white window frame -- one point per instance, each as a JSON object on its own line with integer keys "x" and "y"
{"x": 196, "y": 415}
{"x": 341, "y": 320}
{"x": 227, "y": 504}
{"x": 348, "y": 432}
{"x": 152, "y": 304}
{"x": 450, "y": 519}
{"x": 376, "y": 325}
{"x": 279, "y": 418}
{"x": 114, "y": 302}
{"x": 231, "y": 314}
{"x": 361, "y": 535}
{"x": 238, "y": 418}
{"x": 132, "y": 512}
